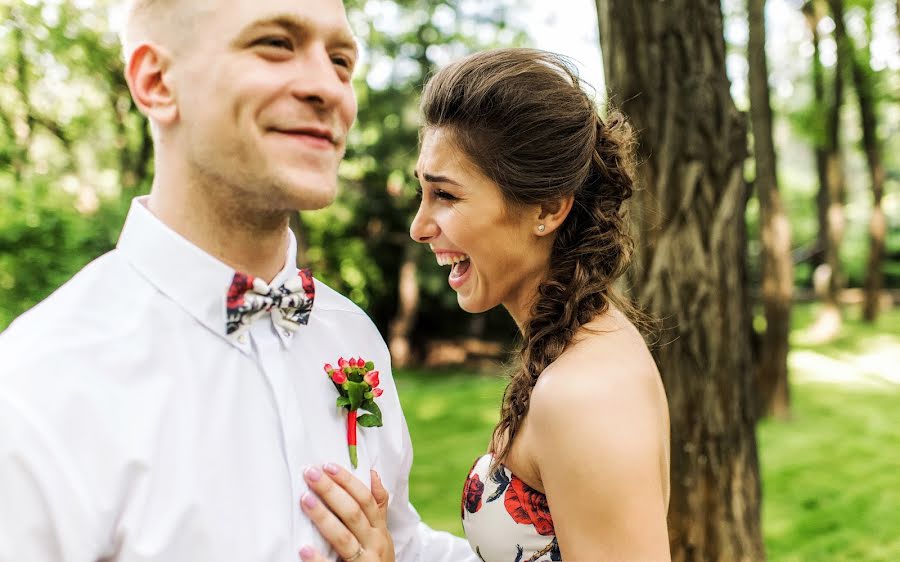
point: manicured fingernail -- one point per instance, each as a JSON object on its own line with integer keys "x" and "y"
{"x": 313, "y": 473}
{"x": 309, "y": 500}
{"x": 307, "y": 552}
{"x": 331, "y": 468}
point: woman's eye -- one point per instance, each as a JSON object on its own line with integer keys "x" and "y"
{"x": 441, "y": 194}
{"x": 276, "y": 42}
{"x": 419, "y": 191}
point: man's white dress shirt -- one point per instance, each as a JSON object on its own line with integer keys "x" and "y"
{"x": 133, "y": 429}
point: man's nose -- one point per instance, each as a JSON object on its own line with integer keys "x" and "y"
{"x": 317, "y": 80}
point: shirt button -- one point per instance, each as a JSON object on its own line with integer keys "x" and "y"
{"x": 286, "y": 333}
{"x": 242, "y": 339}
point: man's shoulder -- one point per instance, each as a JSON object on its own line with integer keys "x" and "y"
{"x": 336, "y": 313}
{"x": 92, "y": 303}
{"x": 329, "y": 300}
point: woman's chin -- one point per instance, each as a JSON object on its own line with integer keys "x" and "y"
{"x": 472, "y": 306}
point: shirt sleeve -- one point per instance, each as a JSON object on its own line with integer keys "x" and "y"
{"x": 43, "y": 513}
{"x": 414, "y": 541}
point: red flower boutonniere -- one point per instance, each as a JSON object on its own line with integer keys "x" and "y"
{"x": 357, "y": 384}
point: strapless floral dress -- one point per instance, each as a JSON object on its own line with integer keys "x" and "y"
{"x": 505, "y": 519}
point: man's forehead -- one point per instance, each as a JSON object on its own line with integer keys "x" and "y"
{"x": 325, "y": 14}
{"x": 178, "y": 23}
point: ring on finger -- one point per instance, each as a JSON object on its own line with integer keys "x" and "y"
{"x": 357, "y": 555}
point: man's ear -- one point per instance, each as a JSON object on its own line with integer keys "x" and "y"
{"x": 150, "y": 83}
{"x": 550, "y": 216}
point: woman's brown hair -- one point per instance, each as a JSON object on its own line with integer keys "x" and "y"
{"x": 522, "y": 117}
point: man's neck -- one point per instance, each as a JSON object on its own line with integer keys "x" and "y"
{"x": 248, "y": 240}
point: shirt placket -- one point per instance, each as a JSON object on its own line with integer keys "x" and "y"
{"x": 273, "y": 358}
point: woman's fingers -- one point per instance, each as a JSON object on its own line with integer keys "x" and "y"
{"x": 352, "y": 518}
{"x": 310, "y": 554}
{"x": 339, "y": 500}
{"x": 380, "y": 495}
{"x": 362, "y": 496}
{"x": 333, "y": 530}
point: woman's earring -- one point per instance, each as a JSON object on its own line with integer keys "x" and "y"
{"x": 540, "y": 228}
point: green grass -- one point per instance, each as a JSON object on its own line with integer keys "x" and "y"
{"x": 450, "y": 416}
{"x": 831, "y": 475}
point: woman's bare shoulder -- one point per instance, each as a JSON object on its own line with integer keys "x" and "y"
{"x": 609, "y": 361}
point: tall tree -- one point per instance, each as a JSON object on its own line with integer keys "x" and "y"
{"x": 775, "y": 231}
{"x": 871, "y": 144}
{"x": 813, "y": 9}
{"x": 829, "y": 321}
{"x": 665, "y": 64}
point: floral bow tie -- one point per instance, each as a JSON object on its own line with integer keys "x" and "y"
{"x": 250, "y": 297}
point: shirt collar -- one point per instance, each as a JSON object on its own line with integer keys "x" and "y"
{"x": 193, "y": 279}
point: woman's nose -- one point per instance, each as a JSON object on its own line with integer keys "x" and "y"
{"x": 423, "y": 229}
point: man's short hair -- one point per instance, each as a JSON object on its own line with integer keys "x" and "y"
{"x": 160, "y": 21}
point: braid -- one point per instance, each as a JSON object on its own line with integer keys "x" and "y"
{"x": 592, "y": 249}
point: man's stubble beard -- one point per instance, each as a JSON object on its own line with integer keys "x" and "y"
{"x": 240, "y": 199}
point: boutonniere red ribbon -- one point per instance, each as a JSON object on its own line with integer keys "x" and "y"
{"x": 357, "y": 382}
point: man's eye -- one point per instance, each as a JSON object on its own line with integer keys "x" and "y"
{"x": 342, "y": 61}
{"x": 276, "y": 42}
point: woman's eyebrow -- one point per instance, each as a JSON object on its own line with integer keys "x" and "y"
{"x": 431, "y": 178}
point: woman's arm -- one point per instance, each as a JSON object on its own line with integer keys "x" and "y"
{"x": 599, "y": 443}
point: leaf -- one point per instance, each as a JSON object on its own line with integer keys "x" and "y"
{"x": 355, "y": 391}
{"x": 369, "y": 366}
{"x": 371, "y": 406}
{"x": 343, "y": 402}
{"x": 368, "y": 420}
{"x": 498, "y": 477}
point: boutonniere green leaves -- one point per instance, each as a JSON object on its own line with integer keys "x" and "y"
{"x": 356, "y": 381}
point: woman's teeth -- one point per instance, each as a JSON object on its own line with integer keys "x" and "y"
{"x": 451, "y": 259}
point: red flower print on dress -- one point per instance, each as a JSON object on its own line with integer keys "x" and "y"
{"x": 528, "y": 506}
{"x": 472, "y": 493}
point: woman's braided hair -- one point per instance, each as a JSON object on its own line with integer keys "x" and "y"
{"x": 522, "y": 117}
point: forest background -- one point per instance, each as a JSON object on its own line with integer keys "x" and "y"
{"x": 770, "y": 161}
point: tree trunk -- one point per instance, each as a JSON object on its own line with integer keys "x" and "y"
{"x": 828, "y": 324}
{"x": 407, "y": 307}
{"x": 665, "y": 65}
{"x": 777, "y": 268}
{"x": 872, "y": 148}
{"x": 813, "y": 16}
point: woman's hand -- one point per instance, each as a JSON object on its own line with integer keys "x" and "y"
{"x": 350, "y": 517}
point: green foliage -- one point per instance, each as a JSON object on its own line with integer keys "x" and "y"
{"x": 43, "y": 242}
{"x": 73, "y": 148}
